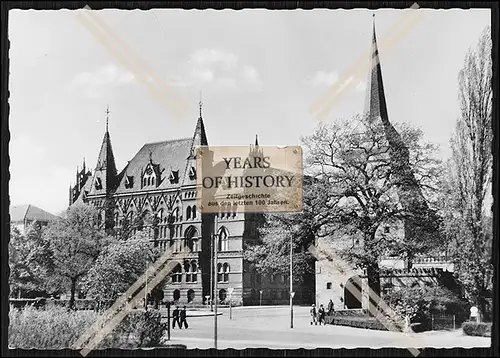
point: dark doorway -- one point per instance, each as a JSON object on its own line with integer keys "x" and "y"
{"x": 190, "y": 295}
{"x": 177, "y": 295}
{"x": 222, "y": 295}
{"x": 352, "y": 292}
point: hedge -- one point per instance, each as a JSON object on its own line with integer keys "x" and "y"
{"x": 358, "y": 322}
{"x": 481, "y": 329}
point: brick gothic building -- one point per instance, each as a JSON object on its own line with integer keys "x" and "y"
{"x": 160, "y": 183}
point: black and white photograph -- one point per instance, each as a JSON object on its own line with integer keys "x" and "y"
{"x": 389, "y": 240}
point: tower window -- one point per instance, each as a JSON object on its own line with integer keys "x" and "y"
{"x": 98, "y": 184}
{"x": 328, "y": 285}
{"x": 174, "y": 177}
{"x": 192, "y": 173}
{"x": 129, "y": 182}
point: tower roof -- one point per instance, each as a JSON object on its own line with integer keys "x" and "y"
{"x": 376, "y": 106}
{"x": 106, "y": 159}
{"x": 106, "y": 174}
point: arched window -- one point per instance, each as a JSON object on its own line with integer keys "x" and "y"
{"x": 194, "y": 271}
{"x": 149, "y": 181}
{"x": 177, "y": 274}
{"x": 187, "y": 270}
{"x": 194, "y": 211}
{"x": 225, "y": 268}
{"x": 188, "y": 213}
{"x": 192, "y": 239}
{"x": 145, "y": 181}
{"x": 219, "y": 273}
{"x": 223, "y": 242}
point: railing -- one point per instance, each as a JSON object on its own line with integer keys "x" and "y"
{"x": 444, "y": 322}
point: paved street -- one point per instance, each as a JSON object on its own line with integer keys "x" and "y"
{"x": 253, "y": 327}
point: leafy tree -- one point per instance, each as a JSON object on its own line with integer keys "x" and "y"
{"x": 25, "y": 274}
{"x": 75, "y": 242}
{"x": 354, "y": 158}
{"x": 467, "y": 183}
{"x": 271, "y": 254}
{"x": 119, "y": 265}
{"x": 30, "y": 263}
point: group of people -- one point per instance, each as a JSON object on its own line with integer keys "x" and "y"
{"x": 318, "y": 315}
{"x": 179, "y": 317}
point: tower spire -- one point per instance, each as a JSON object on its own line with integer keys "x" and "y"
{"x": 200, "y": 104}
{"x": 107, "y": 117}
{"x": 256, "y": 140}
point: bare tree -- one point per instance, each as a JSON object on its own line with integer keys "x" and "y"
{"x": 471, "y": 171}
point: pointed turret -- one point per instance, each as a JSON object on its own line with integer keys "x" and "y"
{"x": 105, "y": 174}
{"x": 199, "y": 136}
{"x": 256, "y": 140}
{"x": 376, "y": 106}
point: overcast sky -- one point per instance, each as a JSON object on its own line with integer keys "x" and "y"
{"x": 259, "y": 71}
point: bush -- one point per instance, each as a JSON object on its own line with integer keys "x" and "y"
{"x": 420, "y": 303}
{"x": 58, "y": 328}
{"x": 481, "y": 329}
{"x": 139, "y": 329}
{"x": 51, "y": 328}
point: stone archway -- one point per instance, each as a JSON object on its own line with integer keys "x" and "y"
{"x": 353, "y": 293}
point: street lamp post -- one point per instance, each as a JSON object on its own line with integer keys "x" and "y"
{"x": 146, "y": 289}
{"x": 260, "y": 297}
{"x": 215, "y": 241}
{"x": 291, "y": 283}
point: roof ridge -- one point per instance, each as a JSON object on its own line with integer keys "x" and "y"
{"x": 168, "y": 141}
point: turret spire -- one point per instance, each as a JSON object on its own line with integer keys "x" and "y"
{"x": 256, "y": 140}
{"x": 200, "y": 104}
{"x": 107, "y": 118}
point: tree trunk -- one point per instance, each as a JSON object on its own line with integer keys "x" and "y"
{"x": 373, "y": 275}
{"x": 482, "y": 308}
{"x": 73, "y": 292}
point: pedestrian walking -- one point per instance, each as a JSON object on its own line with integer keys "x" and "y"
{"x": 183, "y": 318}
{"x": 331, "y": 308}
{"x": 312, "y": 311}
{"x": 175, "y": 318}
{"x": 321, "y": 315}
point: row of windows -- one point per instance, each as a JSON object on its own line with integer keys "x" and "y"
{"x": 191, "y": 214}
{"x": 192, "y": 241}
{"x": 191, "y": 271}
{"x": 150, "y": 178}
{"x": 186, "y": 245}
